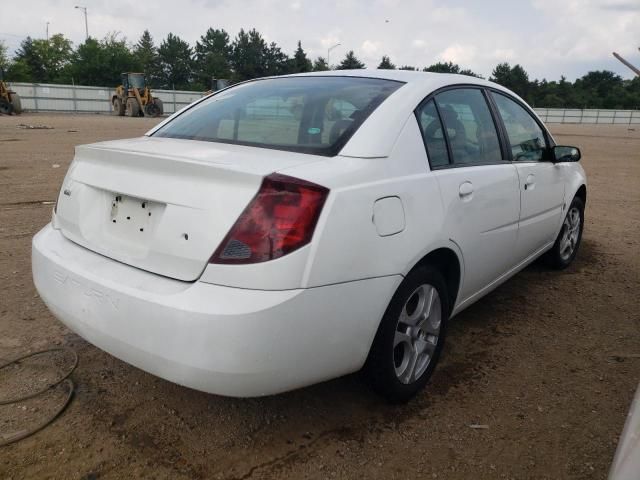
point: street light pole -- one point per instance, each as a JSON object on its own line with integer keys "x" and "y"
{"x": 329, "y": 54}
{"x": 86, "y": 24}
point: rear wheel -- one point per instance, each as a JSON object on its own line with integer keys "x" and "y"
{"x": 151, "y": 110}
{"x": 410, "y": 337}
{"x": 118, "y": 107}
{"x": 160, "y": 106}
{"x": 567, "y": 243}
{"x": 133, "y": 109}
{"x": 16, "y": 103}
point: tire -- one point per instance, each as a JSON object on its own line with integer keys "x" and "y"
{"x": 390, "y": 368}
{"x": 133, "y": 109}
{"x": 567, "y": 243}
{"x": 151, "y": 110}
{"x": 160, "y": 106}
{"x": 118, "y": 107}
{"x": 5, "y": 107}
{"x": 16, "y": 103}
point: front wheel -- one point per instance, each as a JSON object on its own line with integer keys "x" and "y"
{"x": 132, "y": 108}
{"x": 410, "y": 337}
{"x": 16, "y": 104}
{"x": 567, "y": 243}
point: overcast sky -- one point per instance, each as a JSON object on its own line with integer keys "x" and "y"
{"x": 548, "y": 37}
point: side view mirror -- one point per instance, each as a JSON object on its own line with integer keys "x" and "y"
{"x": 565, "y": 154}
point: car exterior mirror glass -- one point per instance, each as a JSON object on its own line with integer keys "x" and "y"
{"x": 566, "y": 154}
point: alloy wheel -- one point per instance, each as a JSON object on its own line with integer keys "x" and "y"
{"x": 417, "y": 333}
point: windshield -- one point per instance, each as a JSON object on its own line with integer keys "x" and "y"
{"x": 314, "y": 115}
{"x": 136, "y": 81}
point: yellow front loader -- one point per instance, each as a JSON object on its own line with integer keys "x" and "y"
{"x": 9, "y": 100}
{"x": 133, "y": 98}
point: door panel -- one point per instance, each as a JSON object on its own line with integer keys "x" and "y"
{"x": 542, "y": 197}
{"x": 541, "y": 182}
{"x": 481, "y": 210}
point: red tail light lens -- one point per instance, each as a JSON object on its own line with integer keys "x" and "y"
{"x": 280, "y": 219}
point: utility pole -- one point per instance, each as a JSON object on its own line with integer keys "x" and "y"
{"x": 47, "y": 31}
{"x": 86, "y": 24}
{"x": 329, "y": 54}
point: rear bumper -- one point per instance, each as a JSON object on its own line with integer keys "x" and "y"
{"x": 223, "y": 340}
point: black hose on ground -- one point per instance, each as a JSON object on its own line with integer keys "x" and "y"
{"x": 7, "y": 439}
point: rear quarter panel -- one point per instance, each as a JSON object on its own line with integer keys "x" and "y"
{"x": 347, "y": 245}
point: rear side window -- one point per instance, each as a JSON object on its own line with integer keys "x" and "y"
{"x": 526, "y": 138}
{"x": 470, "y": 128}
{"x": 433, "y": 134}
{"x": 314, "y": 115}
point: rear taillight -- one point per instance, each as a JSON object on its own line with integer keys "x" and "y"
{"x": 281, "y": 218}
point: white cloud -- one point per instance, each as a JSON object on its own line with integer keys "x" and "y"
{"x": 370, "y": 48}
{"x": 461, "y": 54}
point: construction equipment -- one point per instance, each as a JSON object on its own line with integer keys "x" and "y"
{"x": 9, "y": 100}
{"x": 627, "y": 63}
{"x": 133, "y": 98}
{"x": 217, "y": 84}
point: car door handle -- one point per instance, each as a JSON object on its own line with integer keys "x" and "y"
{"x": 530, "y": 181}
{"x": 466, "y": 189}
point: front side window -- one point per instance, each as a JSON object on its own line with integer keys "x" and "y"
{"x": 433, "y": 134}
{"x": 526, "y": 138}
{"x": 470, "y": 128}
{"x": 314, "y": 115}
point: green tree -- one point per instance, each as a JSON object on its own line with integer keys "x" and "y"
{"x": 514, "y": 78}
{"x": 408, "y": 67}
{"x": 101, "y": 63}
{"x": 385, "y": 64}
{"x": 145, "y": 54}
{"x": 212, "y": 57}
{"x": 248, "y": 55}
{"x": 276, "y": 62}
{"x": 42, "y": 60}
{"x": 300, "y": 63}
{"x": 176, "y": 64}
{"x": 320, "y": 64}
{"x": 350, "y": 62}
{"x": 450, "y": 67}
{"x": 443, "y": 67}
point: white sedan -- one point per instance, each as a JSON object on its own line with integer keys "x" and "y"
{"x": 290, "y": 230}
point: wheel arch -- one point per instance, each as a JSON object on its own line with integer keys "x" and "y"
{"x": 582, "y": 193}
{"x": 449, "y": 264}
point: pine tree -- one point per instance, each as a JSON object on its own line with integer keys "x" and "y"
{"x": 146, "y": 57}
{"x": 350, "y": 62}
{"x": 212, "y": 57}
{"x": 320, "y": 64}
{"x": 385, "y": 64}
{"x": 176, "y": 65}
{"x": 300, "y": 62}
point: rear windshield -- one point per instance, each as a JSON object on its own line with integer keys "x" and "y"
{"x": 314, "y": 115}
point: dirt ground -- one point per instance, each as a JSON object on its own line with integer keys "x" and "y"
{"x": 548, "y": 362}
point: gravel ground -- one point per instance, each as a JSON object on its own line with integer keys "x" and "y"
{"x": 548, "y": 362}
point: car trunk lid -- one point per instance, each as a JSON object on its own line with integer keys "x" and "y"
{"x": 159, "y": 204}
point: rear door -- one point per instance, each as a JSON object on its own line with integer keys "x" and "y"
{"x": 541, "y": 181}
{"x": 479, "y": 186}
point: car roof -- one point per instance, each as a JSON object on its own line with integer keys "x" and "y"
{"x": 406, "y": 76}
{"x": 377, "y": 136}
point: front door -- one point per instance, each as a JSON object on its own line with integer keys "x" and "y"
{"x": 541, "y": 181}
